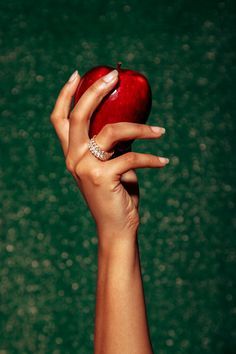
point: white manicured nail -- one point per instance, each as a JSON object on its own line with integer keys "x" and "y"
{"x": 110, "y": 76}
{"x": 164, "y": 160}
{"x": 73, "y": 76}
{"x": 158, "y": 130}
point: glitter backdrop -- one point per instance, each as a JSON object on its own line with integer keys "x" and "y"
{"x": 48, "y": 242}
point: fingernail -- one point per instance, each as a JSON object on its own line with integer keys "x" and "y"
{"x": 164, "y": 160}
{"x": 110, "y": 76}
{"x": 73, "y": 76}
{"x": 158, "y": 130}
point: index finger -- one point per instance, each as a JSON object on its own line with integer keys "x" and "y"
{"x": 60, "y": 113}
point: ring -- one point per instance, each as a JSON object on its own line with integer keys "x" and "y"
{"x": 97, "y": 151}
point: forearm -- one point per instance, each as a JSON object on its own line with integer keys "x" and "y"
{"x": 110, "y": 188}
{"x": 120, "y": 323}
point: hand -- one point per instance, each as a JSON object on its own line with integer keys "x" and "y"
{"x": 110, "y": 187}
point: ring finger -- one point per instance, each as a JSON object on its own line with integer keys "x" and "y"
{"x": 111, "y": 134}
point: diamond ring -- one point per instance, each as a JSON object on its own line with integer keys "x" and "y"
{"x": 97, "y": 151}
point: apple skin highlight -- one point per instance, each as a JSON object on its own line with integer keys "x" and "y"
{"x": 129, "y": 101}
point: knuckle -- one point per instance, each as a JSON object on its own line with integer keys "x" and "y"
{"x": 95, "y": 89}
{"x": 131, "y": 157}
{"x": 109, "y": 130}
{"x": 75, "y": 116}
{"x": 77, "y": 169}
{"x": 53, "y": 118}
{"x": 96, "y": 176}
{"x": 152, "y": 160}
{"x": 140, "y": 130}
{"x": 145, "y": 130}
{"x": 64, "y": 91}
{"x": 69, "y": 165}
{"x": 72, "y": 115}
{"x": 80, "y": 170}
{"x": 84, "y": 172}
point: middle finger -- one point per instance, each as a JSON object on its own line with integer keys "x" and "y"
{"x": 80, "y": 115}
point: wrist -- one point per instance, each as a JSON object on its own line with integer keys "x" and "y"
{"x": 118, "y": 260}
{"x": 113, "y": 241}
{"x": 117, "y": 249}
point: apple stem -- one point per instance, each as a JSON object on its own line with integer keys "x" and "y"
{"x": 119, "y": 65}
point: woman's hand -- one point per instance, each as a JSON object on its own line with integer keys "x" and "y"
{"x": 109, "y": 187}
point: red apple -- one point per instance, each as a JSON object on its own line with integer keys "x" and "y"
{"x": 129, "y": 101}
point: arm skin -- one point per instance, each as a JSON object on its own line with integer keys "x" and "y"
{"x": 120, "y": 322}
{"x": 110, "y": 189}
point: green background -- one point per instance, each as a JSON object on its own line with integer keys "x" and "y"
{"x": 48, "y": 241}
